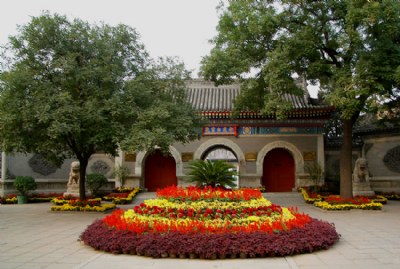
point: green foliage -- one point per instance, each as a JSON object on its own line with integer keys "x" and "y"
{"x": 24, "y": 184}
{"x": 122, "y": 173}
{"x": 167, "y": 116}
{"x": 216, "y": 173}
{"x": 95, "y": 181}
{"x": 316, "y": 173}
{"x": 70, "y": 89}
{"x": 350, "y": 48}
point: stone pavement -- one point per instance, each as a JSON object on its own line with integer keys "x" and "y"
{"x": 32, "y": 237}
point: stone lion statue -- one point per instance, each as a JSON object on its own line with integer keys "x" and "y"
{"x": 361, "y": 173}
{"x": 74, "y": 173}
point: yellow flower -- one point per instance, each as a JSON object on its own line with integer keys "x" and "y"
{"x": 164, "y": 203}
{"x": 253, "y": 219}
{"x": 369, "y": 206}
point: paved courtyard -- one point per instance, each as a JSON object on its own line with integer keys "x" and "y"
{"x": 33, "y": 237}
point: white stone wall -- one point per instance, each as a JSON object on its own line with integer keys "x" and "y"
{"x": 56, "y": 181}
{"x": 381, "y": 177}
{"x": 250, "y": 171}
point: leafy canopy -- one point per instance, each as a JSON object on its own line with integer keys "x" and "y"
{"x": 350, "y": 48}
{"x": 70, "y": 89}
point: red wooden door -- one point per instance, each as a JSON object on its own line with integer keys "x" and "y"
{"x": 159, "y": 171}
{"x": 278, "y": 171}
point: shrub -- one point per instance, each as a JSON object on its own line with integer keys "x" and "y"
{"x": 316, "y": 173}
{"x": 122, "y": 173}
{"x": 215, "y": 174}
{"x": 95, "y": 181}
{"x": 24, "y": 184}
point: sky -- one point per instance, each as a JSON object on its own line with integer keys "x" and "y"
{"x": 179, "y": 28}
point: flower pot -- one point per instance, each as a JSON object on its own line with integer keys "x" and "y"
{"x": 172, "y": 255}
{"x": 22, "y": 199}
{"x": 164, "y": 255}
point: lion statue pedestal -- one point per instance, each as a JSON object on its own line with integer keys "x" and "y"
{"x": 361, "y": 184}
{"x": 73, "y": 181}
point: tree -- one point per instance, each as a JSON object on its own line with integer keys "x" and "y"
{"x": 351, "y": 48}
{"x": 215, "y": 174}
{"x": 71, "y": 89}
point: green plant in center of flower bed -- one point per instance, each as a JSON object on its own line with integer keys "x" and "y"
{"x": 209, "y": 223}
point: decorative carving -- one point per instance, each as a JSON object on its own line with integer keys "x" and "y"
{"x": 259, "y": 130}
{"x": 361, "y": 184}
{"x": 360, "y": 173}
{"x": 392, "y": 159}
{"x": 187, "y": 156}
{"x": 74, "y": 174}
{"x": 220, "y": 130}
{"x": 309, "y": 155}
{"x": 41, "y": 166}
{"x": 130, "y": 157}
{"x": 251, "y": 156}
{"x": 100, "y": 167}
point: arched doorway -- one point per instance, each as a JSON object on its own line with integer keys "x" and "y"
{"x": 219, "y": 152}
{"x": 159, "y": 171}
{"x": 278, "y": 171}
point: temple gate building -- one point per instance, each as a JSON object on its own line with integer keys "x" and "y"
{"x": 265, "y": 151}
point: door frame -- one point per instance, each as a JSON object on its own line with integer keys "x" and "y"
{"x": 296, "y": 154}
{"x": 289, "y": 179}
{"x": 170, "y": 159}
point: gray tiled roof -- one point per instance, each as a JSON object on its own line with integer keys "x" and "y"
{"x": 205, "y": 96}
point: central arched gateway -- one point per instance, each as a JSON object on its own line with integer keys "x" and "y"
{"x": 278, "y": 171}
{"x": 159, "y": 171}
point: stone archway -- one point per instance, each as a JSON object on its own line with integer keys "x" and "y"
{"x": 159, "y": 171}
{"x": 224, "y": 142}
{"x": 278, "y": 171}
{"x": 292, "y": 149}
{"x": 140, "y": 157}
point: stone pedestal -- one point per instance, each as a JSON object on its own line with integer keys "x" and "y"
{"x": 72, "y": 189}
{"x": 362, "y": 189}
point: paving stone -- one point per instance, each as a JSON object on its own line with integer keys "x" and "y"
{"x": 33, "y": 237}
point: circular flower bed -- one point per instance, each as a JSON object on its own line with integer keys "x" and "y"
{"x": 209, "y": 223}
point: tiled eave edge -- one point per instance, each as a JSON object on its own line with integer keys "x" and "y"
{"x": 294, "y": 114}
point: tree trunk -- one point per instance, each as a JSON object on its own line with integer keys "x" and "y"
{"x": 346, "y": 184}
{"x": 82, "y": 177}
